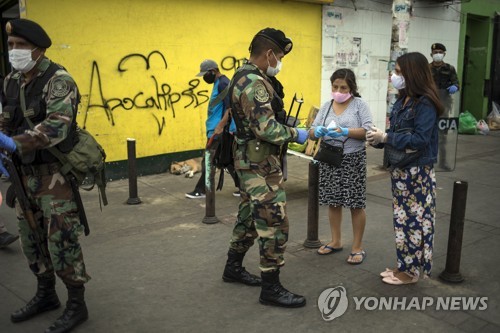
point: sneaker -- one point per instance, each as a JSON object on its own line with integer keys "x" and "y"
{"x": 195, "y": 195}
{"x": 236, "y": 194}
{"x": 6, "y": 239}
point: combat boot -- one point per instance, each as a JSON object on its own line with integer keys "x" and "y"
{"x": 74, "y": 314}
{"x": 235, "y": 272}
{"x": 273, "y": 293}
{"x": 45, "y": 300}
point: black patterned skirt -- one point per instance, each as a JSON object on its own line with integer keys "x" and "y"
{"x": 344, "y": 186}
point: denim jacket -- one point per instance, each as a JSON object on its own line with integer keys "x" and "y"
{"x": 420, "y": 116}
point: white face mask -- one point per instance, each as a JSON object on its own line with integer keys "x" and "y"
{"x": 438, "y": 57}
{"x": 398, "y": 81}
{"x": 273, "y": 71}
{"x": 21, "y": 59}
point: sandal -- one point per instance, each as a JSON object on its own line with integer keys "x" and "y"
{"x": 388, "y": 272}
{"x": 330, "y": 249}
{"x": 394, "y": 280}
{"x": 352, "y": 255}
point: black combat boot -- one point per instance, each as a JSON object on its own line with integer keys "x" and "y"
{"x": 45, "y": 300}
{"x": 74, "y": 314}
{"x": 235, "y": 272}
{"x": 273, "y": 293}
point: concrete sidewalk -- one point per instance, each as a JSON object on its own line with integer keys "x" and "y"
{"x": 156, "y": 268}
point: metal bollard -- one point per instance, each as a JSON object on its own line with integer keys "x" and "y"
{"x": 451, "y": 272}
{"x": 133, "y": 199}
{"x": 210, "y": 217}
{"x": 312, "y": 240}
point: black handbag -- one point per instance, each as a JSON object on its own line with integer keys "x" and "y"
{"x": 400, "y": 158}
{"x": 329, "y": 154}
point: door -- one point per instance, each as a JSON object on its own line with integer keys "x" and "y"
{"x": 473, "y": 82}
{"x": 495, "y": 63}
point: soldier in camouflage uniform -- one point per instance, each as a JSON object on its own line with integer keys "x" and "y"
{"x": 50, "y": 101}
{"x": 445, "y": 77}
{"x": 261, "y": 134}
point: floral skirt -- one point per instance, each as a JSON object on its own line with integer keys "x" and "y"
{"x": 414, "y": 204}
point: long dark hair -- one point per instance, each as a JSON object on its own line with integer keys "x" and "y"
{"x": 349, "y": 77}
{"x": 418, "y": 79}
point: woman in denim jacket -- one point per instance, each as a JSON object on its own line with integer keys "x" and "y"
{"x": 413, "y": 129}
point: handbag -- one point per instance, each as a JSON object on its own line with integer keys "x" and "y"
{"x": 401, "y": 158}
{"x": 329, "y": 154}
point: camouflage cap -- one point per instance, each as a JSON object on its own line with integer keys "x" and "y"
{"x": 30, "y": 31}
{"x": 277, "y": 37}
{"x": 438, "y": 46}
{"x": 207, "y": 65}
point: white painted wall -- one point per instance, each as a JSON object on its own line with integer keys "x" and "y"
{"x": 372, "y": 23}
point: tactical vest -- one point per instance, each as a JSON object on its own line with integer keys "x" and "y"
{"x": 36, "y": 111}
{"x": 244, "y": 132}
{"x": 441, "y": 75}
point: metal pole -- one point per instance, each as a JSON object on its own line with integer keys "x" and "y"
{"x": 133, "y": 199}
{"x": 210, "y": 217}
{"x": 312, "y": 240}
{"x": 454, "y": 253}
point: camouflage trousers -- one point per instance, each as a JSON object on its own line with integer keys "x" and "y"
{"x": 262, "y": 214}
{"x": 57, "y": 229}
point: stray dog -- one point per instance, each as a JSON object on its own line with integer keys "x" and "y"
{"x": 187, "y": 168}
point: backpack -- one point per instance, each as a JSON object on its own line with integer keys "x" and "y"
{"x": 223, "y": 156}
{"x": 86, "y": 162}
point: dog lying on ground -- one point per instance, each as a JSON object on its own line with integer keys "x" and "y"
{"x": 187, "y": 168}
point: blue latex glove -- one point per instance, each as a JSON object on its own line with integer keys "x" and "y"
{"x": 302, "y": 135}
{"x": 7, "y": 143}
{"x": 452, "y": 89}
{"x": 334, "y": 134}
{"x": 320, "y": 131}
{"x": 3, "y": 170}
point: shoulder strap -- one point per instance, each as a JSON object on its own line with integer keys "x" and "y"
{"x": 324, "y": 122}
{"x": 230, "y": 88}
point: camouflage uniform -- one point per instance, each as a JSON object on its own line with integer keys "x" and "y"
{"x": 50, "y": 195}
{"x": 262, "y": 209}
{"x": 445, "y": 76}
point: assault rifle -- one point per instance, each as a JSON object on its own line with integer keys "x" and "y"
{"x": 23, "y": 201}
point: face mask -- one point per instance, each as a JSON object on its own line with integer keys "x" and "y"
{"x": 340, "y": 97}
{"x": 438, "y": 57}
{"x": 398, "y": 81}
{"x": 21, "y": 59}
{"x": 273, "y": 71}
{"x": 209, "y": 77}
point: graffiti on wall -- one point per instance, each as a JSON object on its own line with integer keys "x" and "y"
{"x": 158, "y": 95}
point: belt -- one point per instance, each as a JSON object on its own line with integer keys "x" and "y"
{"x": 38, "y": 170}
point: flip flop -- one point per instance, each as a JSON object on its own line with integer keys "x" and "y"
{"x": 327, "y": 247}
{"x": 362, "y": 254}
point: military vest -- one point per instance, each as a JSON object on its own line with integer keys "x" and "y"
{"x": 442, "y": 75}
{"x": 242, "y": 131}
{"x": 36, "y": 111}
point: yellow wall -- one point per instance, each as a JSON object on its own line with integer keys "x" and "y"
{"x": 97, "y": 40}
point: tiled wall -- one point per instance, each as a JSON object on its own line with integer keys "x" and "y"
{"x": 372, "y": 23}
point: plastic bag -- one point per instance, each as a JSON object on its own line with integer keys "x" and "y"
{"x": 494, "y": 117}
{"x": 482, "y": 127}
{"x": 467, "y": 123}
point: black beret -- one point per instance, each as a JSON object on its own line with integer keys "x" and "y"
{"x": 438, "y": 46}
{"x": 277, "y": 37}
{"x": 29, "y": 30}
